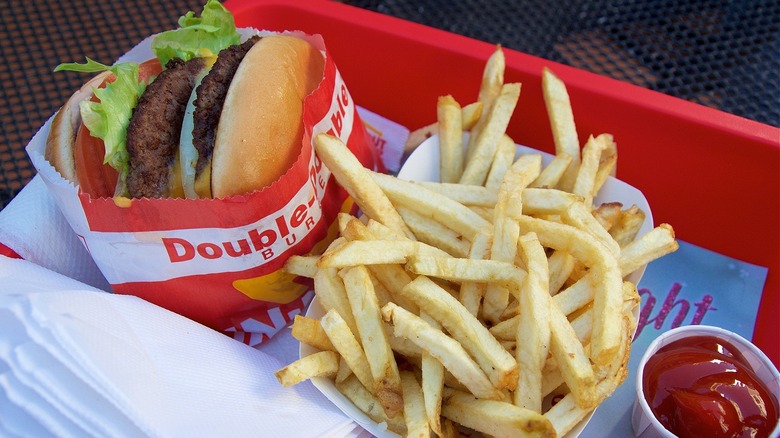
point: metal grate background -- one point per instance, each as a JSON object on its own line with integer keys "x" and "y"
{"x": 723, "y": 54}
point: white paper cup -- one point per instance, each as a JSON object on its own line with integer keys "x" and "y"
{"x": 643, "y": 421}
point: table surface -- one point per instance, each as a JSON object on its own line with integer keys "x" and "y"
{"x": 723, "y": 54}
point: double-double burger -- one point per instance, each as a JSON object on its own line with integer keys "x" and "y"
{"x": 210, "y": 116}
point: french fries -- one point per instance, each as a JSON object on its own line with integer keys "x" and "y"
{"x": 381, "y": 361}
{"x": 471, "y": 302}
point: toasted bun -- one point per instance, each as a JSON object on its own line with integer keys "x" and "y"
{"x": 64, "y": 126}
{"x": 261, "y": 127}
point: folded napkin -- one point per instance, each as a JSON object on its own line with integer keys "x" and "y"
{"x": 77, "y": 361}
{"x": 33, "y": 226}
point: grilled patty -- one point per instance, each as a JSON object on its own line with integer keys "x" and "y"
{"x": 211, "y": 95}
{"x": 155, "y": 128}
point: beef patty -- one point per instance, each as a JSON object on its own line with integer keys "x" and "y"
{"x": 155, "y": 128}
{"x": 211, "y": 95}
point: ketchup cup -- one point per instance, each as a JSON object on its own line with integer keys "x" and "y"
{"x": 705, "y": 381}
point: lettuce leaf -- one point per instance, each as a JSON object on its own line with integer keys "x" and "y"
{"x": 200, "y": 36}
{"x": 108, "y": 119}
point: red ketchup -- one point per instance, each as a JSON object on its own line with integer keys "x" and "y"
{"x": 702, "y": 386}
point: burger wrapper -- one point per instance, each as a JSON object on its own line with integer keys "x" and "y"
{"x": 219, "y": 261}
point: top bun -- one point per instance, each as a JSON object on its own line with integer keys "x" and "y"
{"x": 261, "y": 127}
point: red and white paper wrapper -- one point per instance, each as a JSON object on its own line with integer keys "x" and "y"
{"x": 219, "y": 261}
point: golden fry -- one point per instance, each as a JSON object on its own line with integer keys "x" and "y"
{"x": 450, "y": 139}
{"x": 356, "y": 180}
{"x": 321, "y": 364}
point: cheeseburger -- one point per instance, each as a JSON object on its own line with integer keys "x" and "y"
{"x": 210, "y": 116}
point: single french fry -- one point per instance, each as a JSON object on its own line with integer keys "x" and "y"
{"x": 450, "y": 139}
{"x": 382, "y": 232}
{"x": 506, "y": 229}
{"x": 608, "y": 161}
{"x": 566, "y": 414}
{"x": 464, "y": 327}
{"x": 571, "y": 357}
{"x": 434, "y": 233}
{"x": 543, "y": 202}
{"x": 627, "y": 226}
{"x": 585, "y": 182}
{"x": 495, "y": 418}
{"x": 471, "y": 292}
{"x": 470, "y": 114}
{"x": 560, "y": 264}
{"x": 344, "y": 371}
{"x": 348, "y": 347}
{"x": 377, "y": 252}
{"x": 564, "y": 130}
{"x": 504, "y": 248}
{"x": 365, "y": 309}
{"x": 533, "y": 328}
{"x": 608, "y": 214}
{"x": 502, "y": 161}
{"x": 414, "y": 407}
{"x": 552, "y": 173}
{"x": 305, "y": 266}
{"x": 383, "y": 296}
{"x": 460, "y": 270}
{"x": 320, "y": 364}
{"x": 457, "y": 216}
{"x": 522, "y": 173}
{"x": 575, "y": 296}
{"x": 394, "y": 278}
{"x": 656, "y": 243}
{"x": 469, "y": 195}
{"x": 486, "y": 140}
{"x": 432, "y": 377}
{"x": 368, "y": 403}
{"x": 419, "y": 135}
{"x": 505, "y": 330}
{"x": 449, "y": 429}
{"x": 483, "y": 212}
{"x": 578, "y": 215}
{"x": 489, "y": 89}
{"x": 356, "y": 180}
{"x": 309, "y": 331}
{"x": 448, "y": 351}
{"x": 332, "y": 295}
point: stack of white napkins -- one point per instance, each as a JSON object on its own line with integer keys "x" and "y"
{"x": 77, "y": 361}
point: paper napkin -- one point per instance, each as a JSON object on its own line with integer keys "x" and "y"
{"x": 77, "y": 361}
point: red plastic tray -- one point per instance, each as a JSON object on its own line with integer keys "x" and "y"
{"x": 713, "y": 176}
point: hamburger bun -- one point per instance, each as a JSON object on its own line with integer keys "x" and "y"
{"x": 261, "y": 127}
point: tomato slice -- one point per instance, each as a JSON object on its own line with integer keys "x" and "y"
{"x": 95, "y": 178}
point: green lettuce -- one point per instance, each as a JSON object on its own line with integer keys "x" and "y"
{"x": 200, "y": 36}
{"x": 109, "y": 118}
